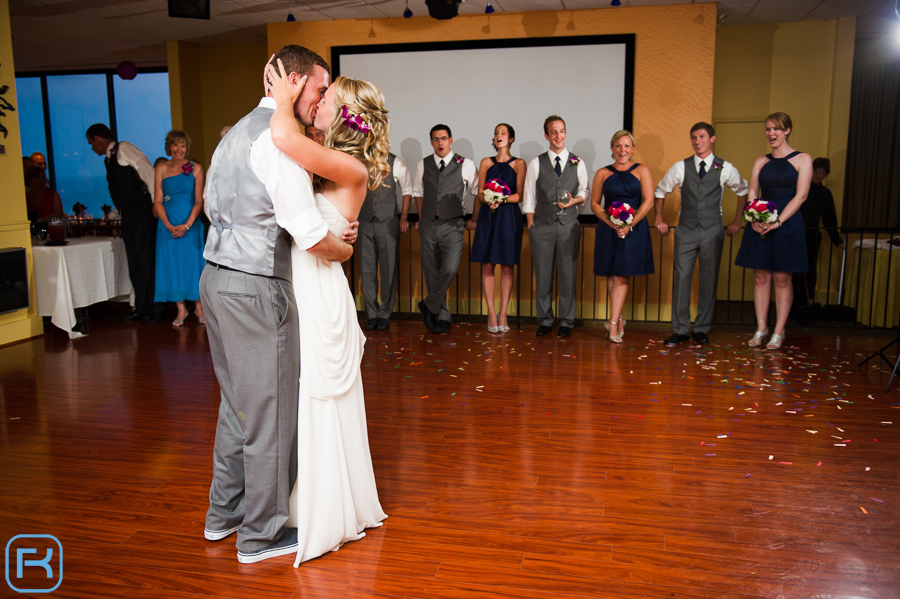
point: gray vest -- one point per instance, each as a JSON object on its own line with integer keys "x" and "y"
{"x": 243, "y": 233}
{"x": 701, "y": 199}
{"x": 549, "y": 186}
{"x": 442, "y": 192}
{"x": 381, "y": 204}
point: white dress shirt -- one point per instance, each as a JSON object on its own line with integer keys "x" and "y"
{"x": 529, "y": 199}
{"x": 129, "y": 155}
{"x": 730, "y": 177}
{"x": 289, "y": 186}
{"x": 404, "y": 181}
{"x": 469, "y": 175}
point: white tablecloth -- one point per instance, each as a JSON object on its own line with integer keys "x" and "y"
{"x": 86, "y": 271}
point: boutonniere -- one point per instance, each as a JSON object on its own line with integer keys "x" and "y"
{"x": 573, "y": 159}
{"x": 188, "y": 167}
{"x": 717, "y": 165}
{"x": 459, "y": 160}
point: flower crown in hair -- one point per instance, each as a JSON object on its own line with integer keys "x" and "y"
{"x": 354, "y": 121}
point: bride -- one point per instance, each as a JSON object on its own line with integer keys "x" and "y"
{"x": 335, "y": 497}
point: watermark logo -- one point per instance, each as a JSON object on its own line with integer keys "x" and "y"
{"x": 34, "y": 563}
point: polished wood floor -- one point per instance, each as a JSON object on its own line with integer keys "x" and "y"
{"x": 511, "y": 466}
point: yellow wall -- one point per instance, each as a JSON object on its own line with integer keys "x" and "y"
{"x": 803, "y": 69}
{"x": 210, "y": 87}
{"x": 674, "y": 44}
{"x": 15, "y": 230}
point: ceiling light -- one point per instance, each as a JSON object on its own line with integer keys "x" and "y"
{"x": 290, "y": 17}
{"x": 488, "y": 9}
{"x": 407, "y": 13}
{"x": 615, "y": 3}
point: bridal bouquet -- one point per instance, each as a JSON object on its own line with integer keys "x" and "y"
{"x": 760, "y": 211}
{"x": 496, "y": 192}
{"x": 621, "y": 214}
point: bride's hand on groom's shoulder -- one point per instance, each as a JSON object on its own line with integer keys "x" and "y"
{"x": 278, "y": 84}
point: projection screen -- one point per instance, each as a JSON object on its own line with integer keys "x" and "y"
{"x": 472, "y": 86}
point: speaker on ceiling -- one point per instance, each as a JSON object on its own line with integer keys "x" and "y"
{"x": 189, "y": 9}
{"x": 443, "y": 9}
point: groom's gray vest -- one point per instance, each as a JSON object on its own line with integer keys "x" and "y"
{"x": 701, "y": 199}
{"x": 549, "y": 185}
{"x": 243, "y": 234}
{"x": 381, "y": 203}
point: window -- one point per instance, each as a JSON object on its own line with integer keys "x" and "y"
{"x": 73, "y": 103}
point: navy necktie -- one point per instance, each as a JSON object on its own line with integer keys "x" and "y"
{"x": 558, "y": 168}
{"x": 442, "y": 166}
{"x": 702, "y": 169}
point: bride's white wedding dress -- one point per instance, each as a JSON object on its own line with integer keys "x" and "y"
{"x": 335, "y": 497}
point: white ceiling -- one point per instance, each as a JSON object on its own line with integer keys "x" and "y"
{"x": 89, "y": 34}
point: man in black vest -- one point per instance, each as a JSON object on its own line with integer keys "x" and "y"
{"x": 442, "y": 182}
{"x": 130, "y": 177}
{"x": 702, "y": 179}
{"x": 379, "y": 240}
{"x": 553, "y": 228}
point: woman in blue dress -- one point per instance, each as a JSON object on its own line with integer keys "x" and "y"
{"x": 498, "y": 228}
{"x": 782, "y": 177}
{"x": 622, "y": 251}
{"x": 177, "y": 202}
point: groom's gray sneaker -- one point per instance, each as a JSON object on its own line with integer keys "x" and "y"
{"x": 287, "y": 544}
{"x": 218, "y": 535}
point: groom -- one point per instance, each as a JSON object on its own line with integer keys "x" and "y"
{"x": 258, "y": 200}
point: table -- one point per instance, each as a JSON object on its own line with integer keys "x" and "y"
{"x": 874, "y": 276}
{"x": 84, "y": 272}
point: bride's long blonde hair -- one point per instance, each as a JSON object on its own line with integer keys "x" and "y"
{"x": 366, "y": 100}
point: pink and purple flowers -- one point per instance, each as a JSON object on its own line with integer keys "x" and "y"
{"x": 188, "y": 167}
{"x": 760, "y": 211}
{"x": 621, "y": 214}
{"x": 496, "y": 192}
{"x": 354, "y": 121}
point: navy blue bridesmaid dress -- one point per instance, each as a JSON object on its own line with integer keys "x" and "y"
{"x": 633, "y": 255}
{"x": 498, "y": 235}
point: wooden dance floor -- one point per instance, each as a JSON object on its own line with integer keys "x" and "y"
{"x": 510, "y": 466}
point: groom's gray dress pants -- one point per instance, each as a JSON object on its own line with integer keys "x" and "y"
{"x": 254, "y": 339}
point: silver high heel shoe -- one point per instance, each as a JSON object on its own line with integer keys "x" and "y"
{"x": 757, "y": 338}
{"x": 775, "y": 341}
{"x": 622, "y": 327}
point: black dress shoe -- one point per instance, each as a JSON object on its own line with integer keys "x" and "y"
{"x": 371, "y": 324}
{"x": 133, "y": 315}
{"x": 441, "y": 326}
{"x": 676, "y": 338}
{"x": 155, "y": 318}
{"x": 565, "y": 331}
{"x": 427, "y": 317}
{"x": 543, "y": 330}
{"x": 383, "y": 324}
{"x": 701, "y": 338}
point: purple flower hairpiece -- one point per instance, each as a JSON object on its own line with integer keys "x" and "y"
{"x": 354, "y": 121}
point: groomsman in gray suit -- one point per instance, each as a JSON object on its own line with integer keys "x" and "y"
{"x": 553, "y": 228}
{"x": 442, "y": 182}
{"x": 258, "y": 200}
{"x": 702, "y": 179}
{"x": 379, "y": 239}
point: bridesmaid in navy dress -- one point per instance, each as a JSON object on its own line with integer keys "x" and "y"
{"x": 621, "y": 252}
{"x": 498, "y": 231}
{"x": 782, "y": 177}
